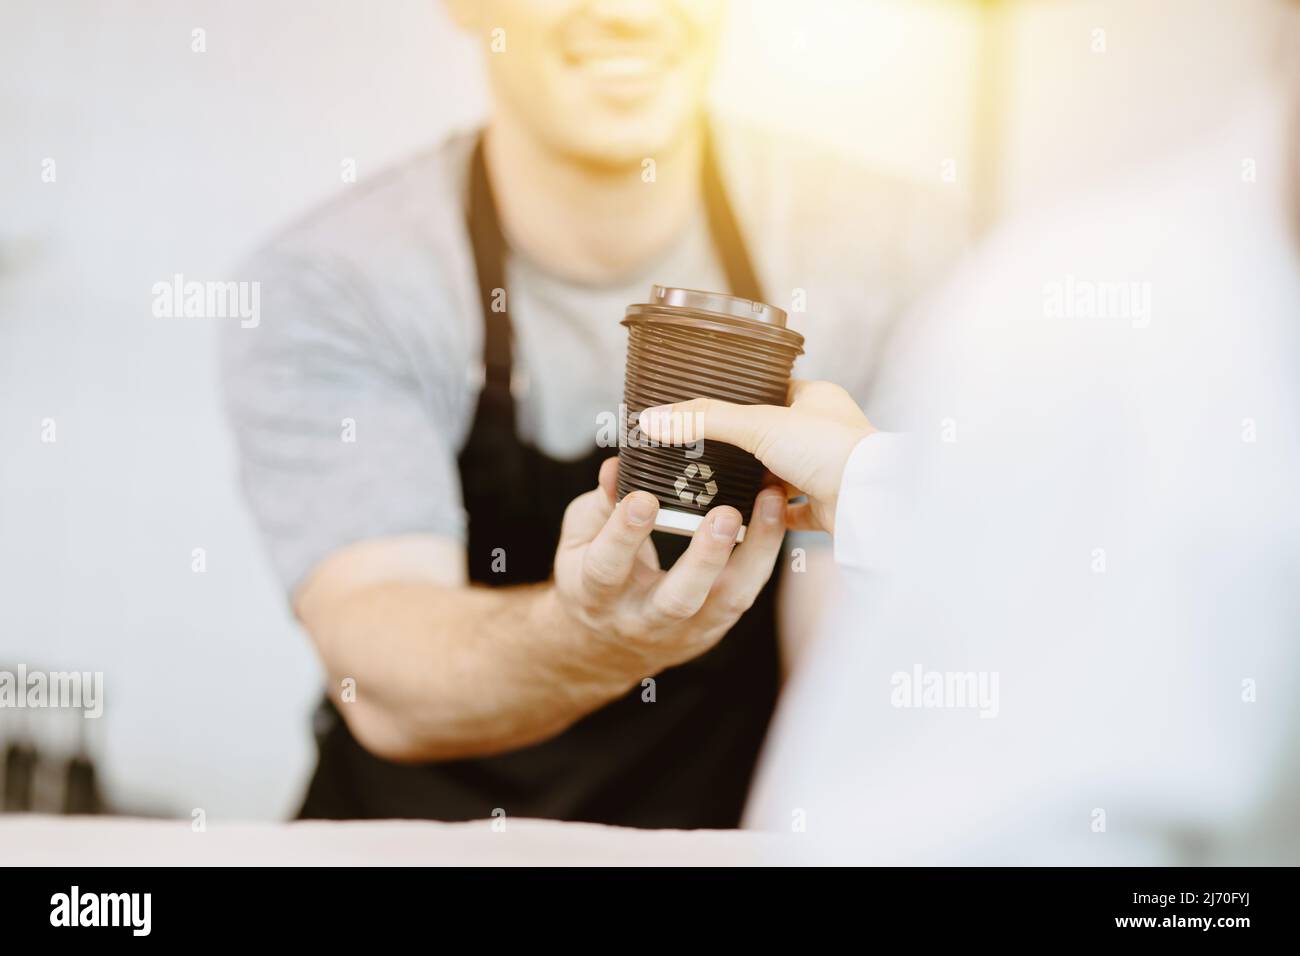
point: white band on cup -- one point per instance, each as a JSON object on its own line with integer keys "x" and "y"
{"x": 684, "y": 522}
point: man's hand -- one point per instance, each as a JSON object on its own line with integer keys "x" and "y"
{"x": 445, "y": 671}
{"x": 608, "y": 579}
{"x": 805, "y": 445}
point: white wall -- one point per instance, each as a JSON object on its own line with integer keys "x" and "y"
{"x": 1170, "y": 69}
{"x": 172, "y": 161}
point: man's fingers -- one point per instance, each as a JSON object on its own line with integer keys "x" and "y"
{"x": 799, "y": 517}
{"x": 587, "y": 513}
{"x": 745, "y": 426}
{"x": 751, "y": 564}
{"x": 584, "y": 518}
{"x": 611, "y": 555}
{"x": 648, "y": 555}
{"x": 683, "y": 590}
{"x": 608, "y": 481}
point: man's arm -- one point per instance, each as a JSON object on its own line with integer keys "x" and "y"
{"x": 444, "y": 670}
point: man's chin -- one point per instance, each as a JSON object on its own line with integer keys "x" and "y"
{"x": 623, "y": 144}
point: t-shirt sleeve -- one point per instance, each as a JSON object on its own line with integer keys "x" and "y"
{"x": 339, "y": 434}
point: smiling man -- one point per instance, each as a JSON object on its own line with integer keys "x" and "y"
{"x": 417, "y": 419}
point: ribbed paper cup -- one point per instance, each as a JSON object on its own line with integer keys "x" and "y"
{"x": 685, "y": 344}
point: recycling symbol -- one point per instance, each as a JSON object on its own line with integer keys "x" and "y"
{"x": 705, "y": 474}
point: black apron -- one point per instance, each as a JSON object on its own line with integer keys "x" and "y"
{"x": 684, "y": 760}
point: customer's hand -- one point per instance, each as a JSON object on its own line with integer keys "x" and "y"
{"x": 805, "y": 445}
{"x": 608, "y": 579}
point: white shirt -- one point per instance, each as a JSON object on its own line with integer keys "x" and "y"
{"x": 1073, "y": 631}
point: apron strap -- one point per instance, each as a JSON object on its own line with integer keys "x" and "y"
{"x": 728, "y": 242}
{"x": 489, "y": 248}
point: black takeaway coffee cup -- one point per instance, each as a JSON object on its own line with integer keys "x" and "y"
{"x": 685, "y": 344}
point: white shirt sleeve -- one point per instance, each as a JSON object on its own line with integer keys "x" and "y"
{"x": 869, "y": 516}
{"x": 1076, "y": 640}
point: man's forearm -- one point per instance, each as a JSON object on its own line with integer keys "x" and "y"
{"x": 448, "y": 672}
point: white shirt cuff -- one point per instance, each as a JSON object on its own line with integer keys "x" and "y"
{"x": 869, "y": 515}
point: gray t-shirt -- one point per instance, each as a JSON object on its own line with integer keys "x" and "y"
{"x": 352, "y": 397}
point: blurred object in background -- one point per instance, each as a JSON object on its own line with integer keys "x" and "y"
{"x": 47, "y": 764}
